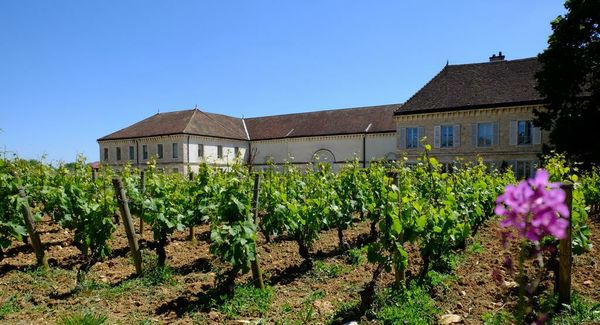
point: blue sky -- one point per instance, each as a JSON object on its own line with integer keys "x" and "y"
{"x": 73, "y": 71}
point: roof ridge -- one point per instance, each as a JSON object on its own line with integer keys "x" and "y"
{"x": 491, "y": 62}
{"x": 325, "y": 110}
{"x": 215, "y": 120}
{"x": 187, "y": 125}
{"x": 425, "y": 85}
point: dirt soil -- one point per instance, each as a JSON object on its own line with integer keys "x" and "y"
{"x": 298, "y": 296}
{"x": 476, "y": 291}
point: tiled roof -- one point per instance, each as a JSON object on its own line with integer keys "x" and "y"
{"x": 332, "y": 122}
{"x": 191, "y": 121}
{"x": 370, "y": 119}
{"x": 478, "y": 85}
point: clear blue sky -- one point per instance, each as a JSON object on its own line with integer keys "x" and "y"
{"x": 73, "y": 71}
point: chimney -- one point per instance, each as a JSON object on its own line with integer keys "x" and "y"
{"x": 495, "y": 58}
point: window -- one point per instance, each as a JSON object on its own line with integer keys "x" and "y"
{"x": 200, "y": 150}
{"x": 118, "y": 153}
{"x": 131, "y": 153}
{"x": 523, "y": 169}
{"x": 145, "y": 151}
{"x": 219, "y": 151}
{"x": 524, "y": 132}
{"x": 236, "y": 151}
{"x": 447, "y": 136}
{"x": 105, "y": 154}
{"x": 175, "y": 150}
{"x": 159, "y": 150}
{"x": 484, "y": 134}
{"x": 412, "y": 137}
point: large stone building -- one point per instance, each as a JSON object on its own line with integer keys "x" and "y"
{"x": 466, "y": 111}
{"x": 183, "y": 139}
{"x": 469, "y": 110}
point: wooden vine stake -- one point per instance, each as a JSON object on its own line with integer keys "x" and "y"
{"x": 565, "y": 256}
{"x": 38, "y": 248}
{"x": 191, "y": 236}
{"x": 128, "y": 223}
{"x": 399, "y": 275}
{"x": 142, "y": 189}
{"x": 256, "y": 272}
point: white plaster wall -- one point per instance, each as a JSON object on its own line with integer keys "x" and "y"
{"x": 297, "y": 150}
{"x": 211, "y": 149}
{"x": 344, "y": 148}
{"x": 381, "y": 145}
{"x": 168, "y": 162}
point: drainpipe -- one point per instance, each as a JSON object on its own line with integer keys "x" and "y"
{"x": 365, "y": 150}
{"x": 188, "y": 154}
{"x": 365, "y": 145}
{"x": 249, "y": 156}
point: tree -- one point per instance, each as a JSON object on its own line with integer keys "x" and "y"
{"x": 569, "y": 80}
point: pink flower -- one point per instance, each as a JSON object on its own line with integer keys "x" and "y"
{"x": 535, "y": 207}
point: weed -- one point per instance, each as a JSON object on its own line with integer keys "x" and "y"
{"x": 322, "y": 270}
{"x": 9, "y": 306}
{"x": 408, "y": 306}
{"x": 83, "y": 318}
{"x": 357, "y": 256}
{"x": 475, "y": 248}
{"x": 286, "y": 308}
{"x": 580, "y": 311}
{"x": 498, "y": 318}
{"x": 246, "y": 301}
{"x": 157, "y": 276}
{"x": 314, "y": 296}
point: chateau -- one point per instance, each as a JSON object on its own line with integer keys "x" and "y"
{"x": 466, "y": 111}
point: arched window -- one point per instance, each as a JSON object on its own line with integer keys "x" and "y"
{"x": 323, "y": 156}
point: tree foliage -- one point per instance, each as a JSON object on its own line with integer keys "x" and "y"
{"x": 569, "y": 80}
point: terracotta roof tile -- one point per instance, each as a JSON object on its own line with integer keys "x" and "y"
{"x": 477, "y": 85}
{"x": 331, "y": 122}
{"x": 191, "y": 121}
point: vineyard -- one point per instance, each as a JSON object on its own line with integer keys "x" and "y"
{"x": 286, "y": 244}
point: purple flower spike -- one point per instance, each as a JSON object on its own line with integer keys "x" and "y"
{"x": 535, "y": 207}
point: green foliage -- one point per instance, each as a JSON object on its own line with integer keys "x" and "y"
{"x": 569, "y": 80}
{"x": 353, "y": 193}
{"x": 83, "y": 318}
{"x": 233, "y": 230}
{"x": 247, "y": 301}
{"x": 408, "y": 306}
{"x": 84, "y": 205}
{"x": 162, "y": 201}
{"x": 561, "y": 171}
{"x": 590, "y": 186}
{"x": 11, "y": 217}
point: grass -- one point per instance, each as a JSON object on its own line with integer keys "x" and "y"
{"x": 406, "y": 306}
{"x": 498, "y": 318}
{"x": 83, "y": 318}
{"x": 246, "y": 301}
{"x": 580, "y": 311}
{"x": 322, "y": 270}
{"x": 357, "y": 256}
{"x": 475, "y": 248}
{"x": 8, "y": 307}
